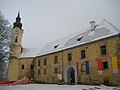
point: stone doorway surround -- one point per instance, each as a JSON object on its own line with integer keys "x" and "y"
{"x": 68, "y": 71}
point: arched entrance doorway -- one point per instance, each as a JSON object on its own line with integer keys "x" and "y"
{"x": 71, "y": 76}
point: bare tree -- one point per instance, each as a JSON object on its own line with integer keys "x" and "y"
{"x": 5, "y": 41}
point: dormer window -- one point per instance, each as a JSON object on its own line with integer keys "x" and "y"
{"x": 56, "y": 46}
{"x": 79, "y": 38}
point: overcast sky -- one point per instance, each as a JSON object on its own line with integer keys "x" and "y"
{"x": 47, "y": 20}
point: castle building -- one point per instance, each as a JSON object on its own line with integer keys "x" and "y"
{"x": 91, "y": 57}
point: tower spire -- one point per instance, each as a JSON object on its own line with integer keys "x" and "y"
{"x": 18, "y": 21}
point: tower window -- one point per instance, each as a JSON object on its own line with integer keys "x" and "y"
{"x": 22, "y": 66}
{"x": 83, "y": 54}
{"x": 103, "y": 50}
{"x": 21, "y": 50}
{"x": 16, "y": 39}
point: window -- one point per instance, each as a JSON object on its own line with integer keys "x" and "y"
{"x": 69, "y": 56}
{"x": 45, "y": 61}
{"x": 55, "y": 70}
{"x": 105, "y": 65}
{"x": 55, "y": 59}
{"x": 38, "y": 62}
{"x": 83, "y": 54}
{"x": 21, "y": 50}
{"x": 79, "y": 38}
{"x": 22, "y": 66}
{"x": 38, "y": 72}
{"x": 103, "y": 50}
{"x": 31, "y": 66}
{"x": 44, "y": 72}
{"x": 16, "y": 39}
{"x": 56, "y": 46}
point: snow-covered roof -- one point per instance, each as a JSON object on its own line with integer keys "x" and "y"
{"x": 28, "y": 52}
{"x": 102, "y": 30}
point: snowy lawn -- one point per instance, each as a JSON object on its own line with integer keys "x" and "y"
{"x": 57, "y": 87}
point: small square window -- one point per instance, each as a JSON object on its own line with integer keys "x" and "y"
{"x": 105, "y": 65}
{"x": 103, "y": 50}
{"x": 83, "y": 54}
{"x": 69, "y": 56}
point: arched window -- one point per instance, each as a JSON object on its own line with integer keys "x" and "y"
{"x": 22, "y": 66}
{"x": 16, "y": 39}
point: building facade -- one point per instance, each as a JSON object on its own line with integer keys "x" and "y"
{"x": 91, "y": 57}
{"x": 26, "y": 63}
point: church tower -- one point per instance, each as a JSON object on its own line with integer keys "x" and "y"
{"x": 15, "y": 49}
{"x": 17, "y": 33}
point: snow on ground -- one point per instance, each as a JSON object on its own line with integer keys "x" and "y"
{"x": 57, "y": 87}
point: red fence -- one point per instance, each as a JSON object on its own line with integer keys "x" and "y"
{"x": 8, "y": 83}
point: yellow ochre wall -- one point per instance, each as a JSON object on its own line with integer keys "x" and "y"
{"x": 92, "y": 54}
{"x": 27, "y": 71}
{"x": 15, "y": 51}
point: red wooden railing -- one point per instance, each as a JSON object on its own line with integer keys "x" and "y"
{"x": 8, "y": 83}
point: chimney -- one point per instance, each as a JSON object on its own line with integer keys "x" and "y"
{"x": 92, "y": 25}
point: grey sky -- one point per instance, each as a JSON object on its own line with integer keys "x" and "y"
{"x": 48, "y": 20}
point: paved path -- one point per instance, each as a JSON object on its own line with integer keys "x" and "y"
{"x": 56, "y": 87}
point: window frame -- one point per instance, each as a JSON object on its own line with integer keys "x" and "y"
{"x": 23, "y": 67}
{"x": 16, "y": 39}
{"x": 79, "y": 38}
{"x": 70, "y": 56}
{"x": 83, "y": 54}
{"x": 38, "y": 62}
{"x": 31, "y": 66}
{"x": 103, "y": 49}
{"x": 105, "y": 65}
{"x": 45, "y": 61}
{"x": 55, "y": 70}
{"x": 55, "y": 59}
